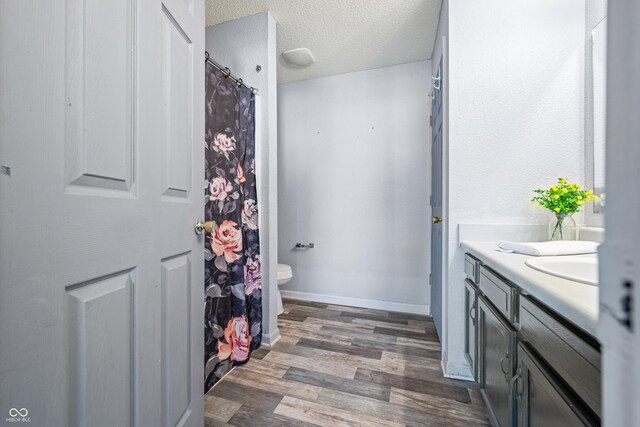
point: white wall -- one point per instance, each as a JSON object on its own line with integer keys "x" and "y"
{"x": 242, "y": 44}
{"x": 354, "y": 178}
{"x": 516, "y": 121}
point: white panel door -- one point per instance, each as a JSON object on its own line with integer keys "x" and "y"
{"x": 436, "y": 203}
{"x": 101, "y": 273}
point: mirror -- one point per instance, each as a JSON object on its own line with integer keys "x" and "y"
{"x": 599, "y": 63}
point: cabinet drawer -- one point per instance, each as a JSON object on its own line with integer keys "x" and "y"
{"x": 501, "y": 294}
{"x": 570, "y": 355}
{"x": 471, "y": 268}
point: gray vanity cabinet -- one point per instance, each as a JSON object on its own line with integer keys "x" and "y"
{"x": 542, "y": 400}
{"x": 471, "y": 326}
{"x": 533, "y": 366}
{"x": 496, "y": 363}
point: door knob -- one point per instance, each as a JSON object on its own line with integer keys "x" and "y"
{"x": 203, "y": 226}
{"x": 437, "y": 219}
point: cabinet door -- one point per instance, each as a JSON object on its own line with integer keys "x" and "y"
{"x": 496, "y": 363}
{"x": 542, "y": 400}
{"x": 471, "y": 327}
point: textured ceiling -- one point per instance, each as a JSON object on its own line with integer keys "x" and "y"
{"x": 344, "y": 35}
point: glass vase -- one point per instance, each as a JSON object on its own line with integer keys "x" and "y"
{"x": 562, "y": 226}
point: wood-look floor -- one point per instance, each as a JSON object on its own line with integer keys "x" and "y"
{"x": 345, "y": 366}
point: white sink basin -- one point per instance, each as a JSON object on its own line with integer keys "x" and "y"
{"x": 578, "y": 268}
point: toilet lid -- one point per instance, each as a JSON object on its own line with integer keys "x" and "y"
{"x": 284, "y": 268}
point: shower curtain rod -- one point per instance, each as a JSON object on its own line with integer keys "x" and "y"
{"x": 227, "y": 73}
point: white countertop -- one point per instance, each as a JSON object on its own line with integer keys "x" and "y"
{"x": 575, "y": 301}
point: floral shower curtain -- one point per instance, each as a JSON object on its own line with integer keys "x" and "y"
{"x": 233, "y": 307}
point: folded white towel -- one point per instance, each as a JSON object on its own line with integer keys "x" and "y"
{"x": 565, "y": 247}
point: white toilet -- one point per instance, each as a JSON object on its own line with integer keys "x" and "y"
{"x": 284, "y": 275}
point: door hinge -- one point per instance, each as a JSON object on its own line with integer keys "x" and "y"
{"x": 431, "y": 200}
{"x": 430, "y": 120}
{"x": 430, "y": 279}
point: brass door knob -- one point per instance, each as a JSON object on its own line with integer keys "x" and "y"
{"x": 437, "y": 219}
{"x": 203, "y": 226}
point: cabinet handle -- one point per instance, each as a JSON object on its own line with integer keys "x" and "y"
{"x": 506, "y": 374}
{"x": 516, "y": 384}
{"x": 473, "y": 310}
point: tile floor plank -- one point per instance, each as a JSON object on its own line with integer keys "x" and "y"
{"x": 333, "y": 382}
{"x": 396, "y": 326}
{"x": 277, "y": 385}
{"x": 305, "y": 303}
{"x": 416, "y": 335}
{"x": 452, "y": 392}
{"x": 405, "y": 415}
{"x": 267, "y": 368}
{"x": 219, "y": 409}
{"x": 292, "y": 360}
{"x": 260, "y": 353}
{"x": 246, "y": 395}
{"x": 247, "y": 417}
{"x": 409, "y": 316}
{"x": 346, "y": 309}
{"x": 439, "y": 407}
{"x": 418, "y": 343}
{"x": 294, "y": 316}
{"x": 326, "y": 416}
{"x": 212, "y": 422}
{"x": 377, "y": 317}
{"x": 370, "y": 353}
{"x": 286, "y": 331}
{"x": 396, "y": 348}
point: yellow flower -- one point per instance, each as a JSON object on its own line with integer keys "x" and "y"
{"x": 563, "y": 180}
{"x": 579, "y": 197}
{"x": 557, "y": 209}
{"x": 538, "y": 206}
{"x": 564, "y": 191}
{"x": 557, "y": 196}
{"x": 579, "y": 202}
{"x": 554, "y": 188}
{"x": 589, "y": 192}
{"x": 577, "y": 185}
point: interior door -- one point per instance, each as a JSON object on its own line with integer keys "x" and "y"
{"x": 436, "y": 202}
{"x": 101, "y": 273}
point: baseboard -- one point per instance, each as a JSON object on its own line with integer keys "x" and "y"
{"x": 269, "y": 340}
{"x": 458, "y": 371}
{"x": 358, "y": 302}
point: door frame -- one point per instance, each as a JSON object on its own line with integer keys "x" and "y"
{"x": 619, "y": 255}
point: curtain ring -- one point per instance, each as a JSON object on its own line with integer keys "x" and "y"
{"x": 227, "y": 71}
{"x": 239, "y": 82}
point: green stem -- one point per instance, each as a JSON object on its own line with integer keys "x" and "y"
{"x": 560, "y": 218}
